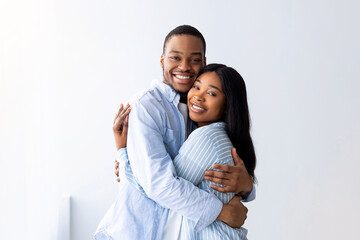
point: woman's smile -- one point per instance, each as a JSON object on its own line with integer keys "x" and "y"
{"x": 196, "y": 108}
{"x": 206, "y": 99}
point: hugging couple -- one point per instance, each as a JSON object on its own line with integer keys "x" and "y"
{"x": 185, "y": 155}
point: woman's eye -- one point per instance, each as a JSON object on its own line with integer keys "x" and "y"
{"x": 212, "y": 94}
{"x": 196, "y": 87}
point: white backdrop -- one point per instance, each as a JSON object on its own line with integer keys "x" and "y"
{"x": 65, "y": 66}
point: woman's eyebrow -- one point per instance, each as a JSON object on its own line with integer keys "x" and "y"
{"x": 212, "y": 86}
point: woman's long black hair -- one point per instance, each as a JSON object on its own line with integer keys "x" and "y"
{"x": 236, "y": 113}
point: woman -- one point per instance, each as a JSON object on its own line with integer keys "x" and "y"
{"x": 217, "y": 102}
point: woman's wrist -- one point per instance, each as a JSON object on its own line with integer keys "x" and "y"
{"x": 119, "y": 141}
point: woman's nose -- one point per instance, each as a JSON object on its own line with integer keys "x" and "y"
{"x": 199, "y": 97}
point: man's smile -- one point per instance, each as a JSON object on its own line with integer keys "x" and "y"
{"x": 183, "y": 78}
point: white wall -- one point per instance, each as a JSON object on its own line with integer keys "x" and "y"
{"x": 66, "y": 65}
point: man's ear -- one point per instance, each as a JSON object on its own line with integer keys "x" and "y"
{"x": 162, "y": 61}
{"x": 204, "y": 61}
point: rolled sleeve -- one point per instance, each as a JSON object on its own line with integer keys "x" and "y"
{"x": 250, "y": 196}
{"x": 213, "y": 210}
{"x": 121, "y": 156}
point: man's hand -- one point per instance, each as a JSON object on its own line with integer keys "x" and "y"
{"x": 234, "y": 213}
{"x": 120, "y": 129}
{"x": 235, "y": 178}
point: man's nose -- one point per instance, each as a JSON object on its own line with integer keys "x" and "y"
{"x": 185, "y": 65}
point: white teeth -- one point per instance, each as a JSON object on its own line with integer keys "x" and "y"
{"x": 182, "y": 77}
{"x": 198, "y": 108}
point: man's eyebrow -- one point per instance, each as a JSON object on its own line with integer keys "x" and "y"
{"x": 196, "y": 53}
{"x": 193, "y": 53}
{"x": 174, "y": 51}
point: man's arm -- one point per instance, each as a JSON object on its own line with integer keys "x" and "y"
{"x": 154, "y": 171}
{"x": 233, "y": 214}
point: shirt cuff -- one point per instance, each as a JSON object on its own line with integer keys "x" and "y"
{"x": 121, "y": 155}
{"x": 210, "y": 213}
{"x": 250, "y": 195}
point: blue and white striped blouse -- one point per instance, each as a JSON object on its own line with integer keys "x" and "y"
{"x": 204, "y": 147}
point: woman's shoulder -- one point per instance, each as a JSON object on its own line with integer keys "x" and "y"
{"x": 214, "y": 132}
{"x": 214, "y": 137}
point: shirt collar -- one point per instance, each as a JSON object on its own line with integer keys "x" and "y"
{"x": 220, "y": 124}
{"x": 170, "y": 94}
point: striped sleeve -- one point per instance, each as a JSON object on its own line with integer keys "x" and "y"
{"x": 196, "y": 155}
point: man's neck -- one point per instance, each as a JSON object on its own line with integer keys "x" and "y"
{"x": 183, "y": 96}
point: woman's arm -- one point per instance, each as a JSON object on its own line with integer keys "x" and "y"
{"x": 206, "y": 146}
{"x": 120, "y": 130}
{"x": 120, "y": 126}
{"x": 197, "y": 154}
{"x": 235, "y": 178}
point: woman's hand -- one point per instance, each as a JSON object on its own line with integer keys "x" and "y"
{"x": 120, "y": 129}
{"x": 120, "y": 126}
{"x": 235, "y": 178}
{"x": 117, "y": 171}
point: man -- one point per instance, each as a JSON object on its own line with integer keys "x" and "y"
{"x": 157, "y": 129}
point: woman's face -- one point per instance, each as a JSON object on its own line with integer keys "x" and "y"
{"x": 206, "y": 99}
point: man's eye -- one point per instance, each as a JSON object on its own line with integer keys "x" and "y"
{"x": 197, "y": 60}
{"x": 174, "y": 58}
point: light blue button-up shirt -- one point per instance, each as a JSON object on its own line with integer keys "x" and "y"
{"x": 156, "y": 133}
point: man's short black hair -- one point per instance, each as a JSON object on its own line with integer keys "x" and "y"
{"x": 185, "y": 30}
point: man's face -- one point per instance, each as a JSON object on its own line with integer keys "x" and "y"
{"x": 181, "y": 61}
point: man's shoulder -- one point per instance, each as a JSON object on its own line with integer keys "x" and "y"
{"x": 149, "y": 103}
{"x": 147, "y": 97}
